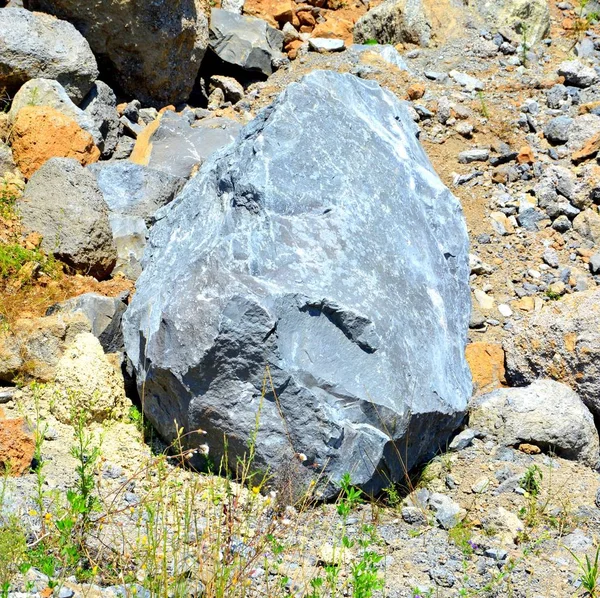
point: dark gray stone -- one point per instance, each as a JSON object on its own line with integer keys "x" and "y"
{"x": 34, "y": 45}
{"x": 557, "y": 130}
{"x": 243, "y": 41}
{"x": 101, "y": 105}
{"x": 595, "y": 263}
{"x": 63, "y": 203}
{"x": 104, "y": 314}
{"x": 341, "y": 267}
{"x": 152, "y": 49}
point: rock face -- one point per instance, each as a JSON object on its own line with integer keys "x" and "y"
{"x": 562, "y": 342}
{"x": 41, "y": 133}
{"x": 62, "y": 202}
{"x": 133, "y": 194}
{"x": 342, "y": 269}
{"x": 153, "y": 49}
{"x": 547, "y": 413}
{"x": 174, "y": 147}
{"x": 533, "y": 14}
{"x": 87, "y": 381}
{"x": 38, "y": 45}
{"x": 393, "y": 22}
{"x": 249, "y": 43}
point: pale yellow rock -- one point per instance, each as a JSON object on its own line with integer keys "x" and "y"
{"x": 484, "y": 300}
{"x": 87, "y": 383}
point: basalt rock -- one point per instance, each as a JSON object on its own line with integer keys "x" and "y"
{"x": 341, "y": 270}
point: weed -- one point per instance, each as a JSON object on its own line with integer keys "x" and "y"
{"x": 483, "y": 105}
{"x": 589, "y": 572}
{"x": 524, "y": 44}
{"x": 582, "y": 22}
{"x": 553, "y": 295}
{"x": 350, "y": 497}
{"x": 13, "y": 545}
{"x": 532, "y": 480}
{"x": 371, "y": 42}
{"x": 460, "y": 535}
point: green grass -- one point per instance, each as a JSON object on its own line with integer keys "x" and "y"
{"x": 13, "y": 257}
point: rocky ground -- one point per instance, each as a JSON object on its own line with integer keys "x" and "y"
{"x": 510, "y": 119}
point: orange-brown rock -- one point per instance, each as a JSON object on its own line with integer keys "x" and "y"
{"x": 486, "y": 361}
{"x": 590, "y": 148}
{"x": 306, "y": 18}
{"x": 526, "y": 155}
{"x": 416, "y": 91}
{"x": 530, "y": 449}
{"x": 16, "y": 446}
{"x": 338, "y": 28}
{"x": 275, "y": 12}
{"x": 41, "y": 133}
{"x": 292, "y": 48}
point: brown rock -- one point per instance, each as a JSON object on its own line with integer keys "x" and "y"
{"x": 16, "y": 446}
{"x": 275, "y": 12}
{"x": 416, "y": 91}
{"x": 41, "y": 133}
{"x": 526, "y": 155}
{"x": 337, "y": 28}
{"x": 306, "y": 18}
{"x": 590, "y": 148}
{"x": 292, "y": 48}
{"x": 486, "y": 361}
{"x": 530, "y": 449}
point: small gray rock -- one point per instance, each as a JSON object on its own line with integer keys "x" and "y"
{"x": 557, "y": 130}
{"x": 474, "y": 155}
{"x": 577, "y": 74}
{"x": 324, "y": 44}
{"x": 101, "y": 106}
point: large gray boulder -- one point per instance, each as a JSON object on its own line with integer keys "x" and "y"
{"x": 173, "y": 146}
{"x": 63, "y": 203}
{"x": 151, "y": 49}
{"x": 133, "y": 194}
{"x": 36, "y": 46}
{"x": 547, "y": 413}
{"x": 529, "y": 18}
{"x": 101, "y": 106}
{"x": 562, "y": 342}
{"x": 47, "y": 92}
{"x": 393, "y": 22}
{"x": 246, "y": 42}
{"x": 340, "y": 267}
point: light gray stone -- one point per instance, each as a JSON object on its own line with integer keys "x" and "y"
{"x": 34, "y": 46}
{"x": 104, "y": 314}
{"x": 546, "y": 413}
{"x": 232, "y": 89}
{"x": 324, "y": 262}
{"x": 177, "y": 147}
{"x": 133, "y": 194}
{"x": 393, "y": 22}
{"x": 474, "y": 155}
{"x": 152, "y": 50}
{"x": 447, "y": 512}
{"x": 578, "y": 74}
{"x": 247, "y": 42}
{"x": 63, "y": 203}
{"x": 466, "y": 81}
